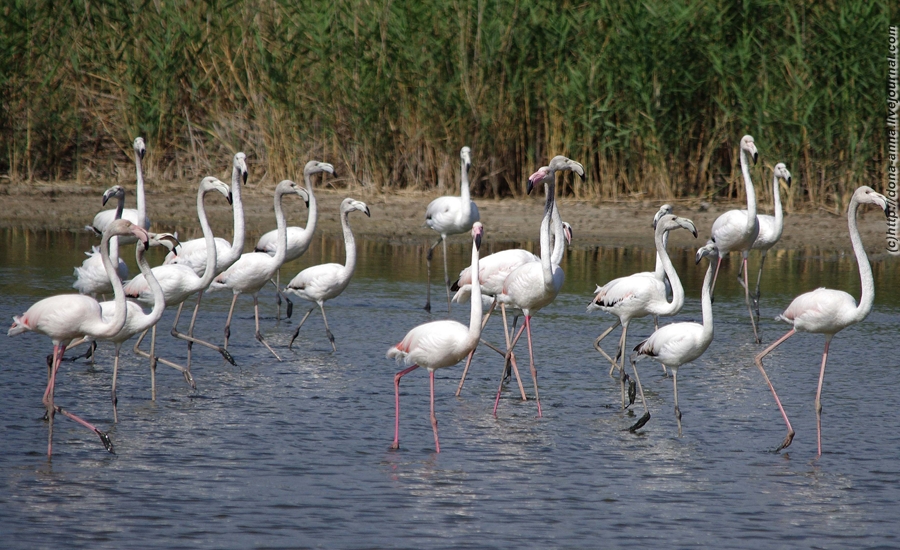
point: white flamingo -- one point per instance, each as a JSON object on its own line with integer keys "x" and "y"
{"x": 69, "y": 316}
{"x": 438, "y": 344}
{"x": 298, "y": 238}
{"x": 680, "y": 343}
{"x": 136, "y": 216}
{"x": 254, "y": 269}
{"x": 326, "y": 281}
{"x": 826, "y": 311}
{"x": 736, "y": 230}
{"x": 770, "y": 228}
{"x": 179, "y": 282}
{"x": 641, "y": 294}
{"x": 137, "y": 321}
{"x": 450, "y": 216}
{"x": 91, "y": 277}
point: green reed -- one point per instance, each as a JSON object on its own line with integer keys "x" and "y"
{"x": 652, "y": 97}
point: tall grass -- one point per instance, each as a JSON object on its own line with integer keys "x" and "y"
{"x": 652, "y": 97}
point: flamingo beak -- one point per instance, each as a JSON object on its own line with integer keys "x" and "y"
{"x": 244, "y": 175}
{"x": 230, "y": 198}
{"x": 367, "y": 212}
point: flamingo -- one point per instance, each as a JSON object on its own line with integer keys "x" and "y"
{"x": 298, "y": 238}
{"x": 438, "y": 344}
{"x": 326, "y": 281}
{"x": 179, "y": 282}
{"x": 770, "y": 228}
{"x": 826, "y": 311}
{"x": 138, "y": 321}
{"x": 252, "y": 270}
{"x": 91, "y": 277}
{"x": 68, "y": 316}
{"x": 193, "y": 252}
{"x": 737, "y": 229}
{"x": 450, "y": 216}
{"x": 137, "y": 217}
{"x": 680, "y": 343}
{"x": 642, "y": 294}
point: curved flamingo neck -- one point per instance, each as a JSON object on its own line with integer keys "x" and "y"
{"x": 464, "y": 186}
{"x": 237, "y": 205}
{"x": 475, "y": 310}
{"x": 209, "y": 272}
{"x": 559, "y": 237}
{"x": 867, "y": 298}
{"x": 99, "y": 329}
{"x": 751, "y": 193}
{"x": 313, "y": 213}
{"x": 139, "y": 195}
{"x": 281, "y": 227}
{"x": 549, "y": 206}
{"x": 349, "y": 243}
{"x": 706, "y": 302}
{"x": 677, "y": 290}
{"x": 114, "y": 241}
{"x": 660, "y": 271}
{"x": 779, "y": 214}
{"x": 159, "y": 297}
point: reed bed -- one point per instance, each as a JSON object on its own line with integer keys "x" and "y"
{"x": 652, "y": 96}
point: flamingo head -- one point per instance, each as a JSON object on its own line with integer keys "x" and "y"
{"x": 748, "y": 146}
{"x": 560, "y": 162}
{"x": 114, "y": 191}
{"x": 240, "y": 166}
{"x": 139, "y": 148}
{"x": 567, "y": 232}
{"x": 314, "y": 167}
{"x": 123, "y": 228}
{"x": 709, "y": 250}
{"x": 782, "y": 172}
{"x": 671, "y": 221}
{"x": 212, "y": 183}
{"x": 544, "y": 174}
{"x": 288, "y": 187}
{"x": 477, "y": 233}
{"x": 465, "y": 155}
{"x": 349, "y": 205}
{"x": 867, "y": 195}
{"x": 167, "y": 240}
{"x": 663, "y": 210}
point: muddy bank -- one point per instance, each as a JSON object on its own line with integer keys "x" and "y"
{"x": 400, "y": 217}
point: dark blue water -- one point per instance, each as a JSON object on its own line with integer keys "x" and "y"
{"x": 295, "y": 454}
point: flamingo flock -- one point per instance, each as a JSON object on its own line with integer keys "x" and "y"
{"x": 520, "y": 282}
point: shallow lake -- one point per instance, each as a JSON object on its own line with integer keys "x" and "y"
{"x": 271, "y": 454}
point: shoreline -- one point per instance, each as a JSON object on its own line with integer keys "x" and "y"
{"x": 399, "y": 218}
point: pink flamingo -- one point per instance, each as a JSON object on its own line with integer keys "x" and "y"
{"x": 137, "y": 217}
{"x": 69, "y": 316}
{"x": 91, "y": 278}
{"x": 439, "y": 344}
{"x": 826, "y": 311}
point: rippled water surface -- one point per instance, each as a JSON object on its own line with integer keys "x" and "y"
{"x": 295, "y": 454}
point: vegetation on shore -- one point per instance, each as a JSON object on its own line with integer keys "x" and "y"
{"x": 652, "y": 97}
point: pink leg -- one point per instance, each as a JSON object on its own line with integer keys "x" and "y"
{"x": 462, "y": 379}
{"x": 259, "y": 335}
{"x": 397, "y": 378}
{"x": 790, "y": 430}
{"x": 537, "y": 396}
{"x": 228, "y": 321}
{"x": 712, "y": 288}
{"x": 510, "y": 346}
{"x": 819, "y": 394}
{"x": 437, "y": 444}
{"x": 58, "y": 350}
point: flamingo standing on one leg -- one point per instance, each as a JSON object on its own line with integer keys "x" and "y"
{"x": 439, "y": 344}
{"x": 679, "y": 343}
{"x": 180, "y": 282}
{"x": 69, "y": 316}
{"x": 326, "y": 281}
{"x": 826, "y": 311}
{"x": 254, "y": 269}
{"x": 138, "y": 216}
{"x": 770, "y": 229}
{"x": 737, "y": 229}
{"x": 298, "y": 238}
{"x": 450, "y": 216}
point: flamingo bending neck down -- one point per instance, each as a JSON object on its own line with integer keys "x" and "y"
{"x": 826, "y": 311}
{"x": 254, "y": 269}
{"x": 679, "y": 343}
{"x": 450, "y": 216}
{"x": 136, "y": 216}
{"x": 326, "y": 281}
{"x": 770, "y": 229}
{"x": 736, "y": 230}
{"x": 439, "y": 344}
{"x": 298, "y": 238}
{"x": 69, "y": 316}
{"x": 91, "y": 277}
{"x": 179, "y": 282}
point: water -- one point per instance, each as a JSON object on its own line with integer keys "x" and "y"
{"x": 295, "y": 454}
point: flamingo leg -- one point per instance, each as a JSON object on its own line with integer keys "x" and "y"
{"x": 228, "y": 321}
{"x": 437, "y": 444}
{"x": 428, "y": 257}
{"x": 646, "y": 417}
{"x": 115, "y": 400}
{"x": 819, "y": 395}
{"x": 446, "y": 275}
{"x": 462, "y": 379}
{"x": 598, "y": 348}
{"x": 758, "y": 360}
{"x": 190, "y": 344}
{"x": 712, "y": 288}
{"x": 623, "y": 376}
{"x": 675, "y": 389}
{"x": 746, "y": 286}
{"x": 510, "y": 357}
{"x": 509, "y": 346}
{"x": 397, "y": 377}
{"x": 154, "y": 359}
{"x": 758, "y": 279}
{"x": 259, "y": 335}
{"x": 297, "y": 330}
{"x": 327, "y": 330}
{"x": 537, "y": 396}
{"x": 279, "y": 295}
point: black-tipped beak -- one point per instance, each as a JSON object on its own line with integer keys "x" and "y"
{"x": 230, "y": 198}
{"x": 789, "y": 182}
{"x": 368, "y": 213}
{"x": 105, "y": 199}
{"x": 478, "y": 241}
{"x": 755, "y": 157}
{"x": 528, "y": 187}
{"x": 698, "y": 256}
{"x": 142, "y": 152}
{"x": 244, "y": 174}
